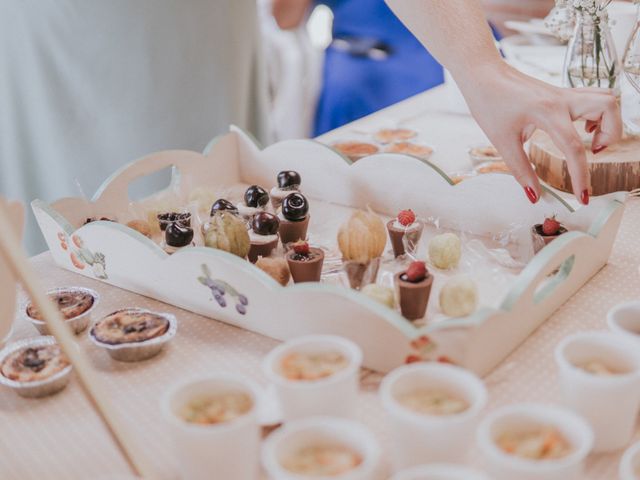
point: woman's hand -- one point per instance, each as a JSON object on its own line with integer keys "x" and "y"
{"x": 509, "y": 106}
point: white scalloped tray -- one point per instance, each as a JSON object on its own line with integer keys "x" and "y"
{"x": 387, "y": 183}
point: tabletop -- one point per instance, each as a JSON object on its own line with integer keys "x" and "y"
{"x": 61, "y": 437}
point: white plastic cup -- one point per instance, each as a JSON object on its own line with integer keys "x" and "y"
{"x": 630, "y": 464}
{"x": 314, "y": 431}
{"x": 609, "y": 403}
{"x": 336, "y": 395}
{"x": 524, "y": 416}
{"x": 439, "y": 471}
{"x": 419, "y": 438}
{"x": 624, "y": 319}
{"x": 228, "y": 450}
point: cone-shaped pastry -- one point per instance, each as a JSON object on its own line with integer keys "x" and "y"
{"x": 305, "y": 263}
{"x": 362, "y": 240}
{"x": 414, "y": 288}
{"x": 405, "y": 232}
{"x": 263, "y": 235}
{"x": 294, "y": 218}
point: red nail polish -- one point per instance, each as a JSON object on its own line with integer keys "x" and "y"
{"x": 597, "y": 149}
{"x": 585, "y": 197}
{"x": 533, "y": 198}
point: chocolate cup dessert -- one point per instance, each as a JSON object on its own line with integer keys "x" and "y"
{"x": 261, "y": 250}
{"x": 414, "y": 296}
{"x": 361, "y": 274}
{"x": 396, "y": 235}
{"x": 166, "y": 219}
{"x": 306, "y": 268}
{"x": 540, "y": 240}
{"x": 293, "y": 231}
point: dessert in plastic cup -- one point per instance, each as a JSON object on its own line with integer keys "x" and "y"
{"x": 625, "y": 320}
{"x": 214, "y": 426}
{"x": 433, "y": 409}
{"x": 600, "y": 380}
{"x": 34, "y": 367}
{"x": 321, "y": 447}
{"x": 629, "y": 468}
{"x": 519, "y": 441}
{"x": 315, "y": 375}
{"x": 439, "y": 471}
{"x": 76, "y": 305}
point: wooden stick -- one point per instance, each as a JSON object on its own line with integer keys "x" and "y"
{"x": 16, "y": 258}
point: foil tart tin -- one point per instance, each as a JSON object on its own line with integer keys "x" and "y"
{"x": 77, "y": 324}
{"x": 39, "y": 388}
{"x": 136, "y": 351}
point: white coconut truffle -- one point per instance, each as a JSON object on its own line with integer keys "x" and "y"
{"x": 458, "y": 297}
{"x": 380, "y": 293}
{"x": 445, "y": 250}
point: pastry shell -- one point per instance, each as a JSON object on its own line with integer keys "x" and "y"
{"x": 38, "y": 388}
{"x": 136, "y": 351}
{"x": 77, "y": 323}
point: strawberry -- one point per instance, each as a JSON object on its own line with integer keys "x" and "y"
{"x": 550, "y": 226}
{"x": 301, "y": 248}
{"x": 406, "y": 217}
{"x": 416, "y": 272}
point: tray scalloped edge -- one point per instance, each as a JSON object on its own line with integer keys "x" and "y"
{"x": 120, "y": 256}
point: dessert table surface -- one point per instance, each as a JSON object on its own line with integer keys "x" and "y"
{"x": 61, "y": 437}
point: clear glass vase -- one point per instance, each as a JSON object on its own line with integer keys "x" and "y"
{"x": 591, "y": 59}
{"x": 631, "y": 97}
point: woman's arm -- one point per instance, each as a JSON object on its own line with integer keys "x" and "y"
{"x": 289, "y": 13}
{"x": 507, "y": 104}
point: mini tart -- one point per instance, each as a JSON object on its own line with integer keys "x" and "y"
{"x": 130, "y": 326}
{"x": 32, "y": 364}
{"x": 408, "y": 148}
{"x": 355, "y": 150}
{"x": 388, "y": 135}
{"x": 493, "y": 167}
{"x": 71, "y": 303}
{"x": 165, "y": 219}
{"x": 484, "y": 153}
{"x": 541, "y": 240}
{"x": 545, "y": 443}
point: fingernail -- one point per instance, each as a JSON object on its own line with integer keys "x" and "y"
{"x": 592, "y": 128}
{"x": 585, "y": 197}
{"x": 533, "y": 198}
{"x": 598, "y": 149}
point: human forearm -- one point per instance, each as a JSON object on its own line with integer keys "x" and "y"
{"x": 454, "y": 31}
{"x": 289, "y": 13}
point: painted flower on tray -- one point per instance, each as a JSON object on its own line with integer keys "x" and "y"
{"x": 81, "y": 257}
{"x": 425, "y": 350}
{"x": 222, "y": 291}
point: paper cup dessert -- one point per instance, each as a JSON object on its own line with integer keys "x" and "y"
{"x": 600, "y": 380}
{"x": 630, "y": 464}
{"x": 133, "y": 334}
{"x": 439, "y": 471}
{"x": 315, "y": 375}
{"x": 34, "y": 367}
{"x": 76, "y": 305}
{"x": 531, "y": 441}
{"x": 321, "y": 447}
{"x": 433, "y": 409}
{"x": 213, "y": 422}
{"x": 624, "y": 319}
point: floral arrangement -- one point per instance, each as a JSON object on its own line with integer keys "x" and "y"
{"x": 591, "y": 59}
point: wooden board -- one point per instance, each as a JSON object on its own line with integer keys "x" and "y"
{"x": 615, "y": 169}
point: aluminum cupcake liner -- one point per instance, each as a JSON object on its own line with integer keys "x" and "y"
{"x": 39, "y": 388}
{"x": 77, "y": 324}
{"x": 136, "y": 351}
